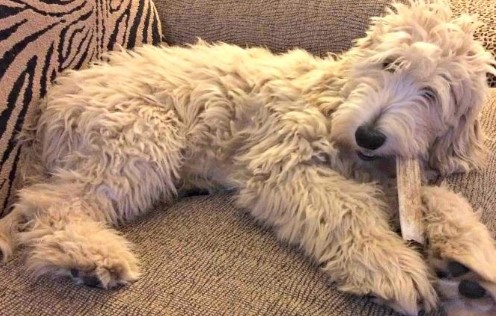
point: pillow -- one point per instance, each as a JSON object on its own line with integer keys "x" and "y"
{"x": 39, "y": 39}
{"x": 486, "y": 12}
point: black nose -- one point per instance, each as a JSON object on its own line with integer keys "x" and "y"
{"x": 368, "y": 137}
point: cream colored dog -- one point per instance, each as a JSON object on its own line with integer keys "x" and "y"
{"x": 299, "y": 138}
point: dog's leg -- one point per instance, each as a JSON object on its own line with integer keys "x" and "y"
{"x": 116, "y": 177}
{"x": 461, "y": 248}
{"x": 8, "y": 228}
{"x": 343, "y": 226}
{"x": 66, "y": 220}
{"x": 66, "y": 233}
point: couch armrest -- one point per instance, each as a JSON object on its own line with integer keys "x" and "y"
{"x": 39, "y": 39}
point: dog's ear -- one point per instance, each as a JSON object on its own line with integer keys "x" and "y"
{"x": 460, "y": 149}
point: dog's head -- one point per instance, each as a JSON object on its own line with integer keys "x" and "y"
{"x": 415, "y": 88}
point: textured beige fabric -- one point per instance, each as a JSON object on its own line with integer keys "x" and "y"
{"x": 315, "y": 25}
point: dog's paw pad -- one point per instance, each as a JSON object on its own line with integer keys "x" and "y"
{"x": 92, "y": 281}
{"x": 471, "y": 289}
{"x": 105, "y": 278}
{"x": 440, "y": 274}
{"x": 457, "y": 269}
{"x": 74, "y": 273}
{"x": 450, "y": 269}
{"x": 459, "y": 284}
{"x": 86, "y": 278}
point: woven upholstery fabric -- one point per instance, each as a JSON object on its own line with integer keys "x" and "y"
{"x": 201, "y": 256}
{"x": 39, "y": 39}
{"x": 315, "y": 25}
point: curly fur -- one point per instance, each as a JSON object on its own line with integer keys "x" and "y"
{"x": 279, "y": 130}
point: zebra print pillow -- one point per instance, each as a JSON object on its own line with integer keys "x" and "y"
{"x": 39, "y": 39}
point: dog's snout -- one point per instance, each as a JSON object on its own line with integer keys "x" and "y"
{"x": 369, "y": 137}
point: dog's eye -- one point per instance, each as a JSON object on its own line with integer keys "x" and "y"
{"x": 429, "y": 93}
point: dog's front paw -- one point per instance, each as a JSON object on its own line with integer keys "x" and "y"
{"x": 464, "y": 261}
{"x": 408, "y": 292}
{"x": 462, "y": 290}
{"x": 400, "y": 280}
{"x": 8, "y": 226}
{"x": 413, "y": 298}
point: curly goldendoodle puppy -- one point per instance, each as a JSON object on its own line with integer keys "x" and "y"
{"x": 297, "y": 137}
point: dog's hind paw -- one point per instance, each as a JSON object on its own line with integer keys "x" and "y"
{"x": 105, "y": 276}
{"x": 5, "y": 250}
{"x": 89, "y": 253}
{"x": 7, "y": 244}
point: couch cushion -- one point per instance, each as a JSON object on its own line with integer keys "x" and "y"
{"x": 199, "y": 257}
{"x": 39, "y": 39}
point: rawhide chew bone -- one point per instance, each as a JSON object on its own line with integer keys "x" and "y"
{"x": 410, "y": 204}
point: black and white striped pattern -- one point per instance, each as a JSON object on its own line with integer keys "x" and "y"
{"x": 41, "y": 38}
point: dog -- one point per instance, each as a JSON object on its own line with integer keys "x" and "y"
{"x": 304, "y": 142}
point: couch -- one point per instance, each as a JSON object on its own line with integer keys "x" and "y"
{"x": 200, "y": 256}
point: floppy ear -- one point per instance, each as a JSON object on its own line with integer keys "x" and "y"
{"x": 460, "y": 149}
